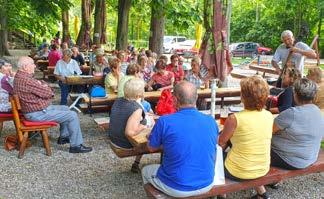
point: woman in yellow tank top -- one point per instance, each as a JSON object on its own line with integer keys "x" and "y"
{"x": 249, "y": 132}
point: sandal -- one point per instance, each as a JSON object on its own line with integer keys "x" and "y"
{"x": 265, "y": 195}
{"x": 135, "y": 167}
{"x": 274, "y": 185}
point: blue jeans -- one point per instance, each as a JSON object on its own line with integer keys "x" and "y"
{"x": 68, "y": 120}
{"x": 65, "y": 89}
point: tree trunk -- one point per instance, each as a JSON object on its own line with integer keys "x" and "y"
{"x": 157, "y": 28}
{"x": 228, "y": 19}
{"x": 84, "y": 38}
{"x": 319, "y": 33}
{"x": 3, "y": 32}
{"x": 122, "y": 27}
{"x": 99, "y": 32}
{"x": 65, "y": 25}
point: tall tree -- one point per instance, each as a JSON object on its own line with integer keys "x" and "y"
{"x": 3, "y": 28}
{"x": 84, "y": 37}
{"x": 99, "y": 36}
{"x": 65, "y": 25}
{"x": 122, "y": 26}
{"x": 157, "y": 26}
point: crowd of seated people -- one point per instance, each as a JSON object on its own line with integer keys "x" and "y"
{"x": 255, "y": 140}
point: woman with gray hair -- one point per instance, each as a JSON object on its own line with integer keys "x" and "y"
{"x": 6, "y": 85}
{"x": 298, "y": 131}
{"x": 127, "y": 117}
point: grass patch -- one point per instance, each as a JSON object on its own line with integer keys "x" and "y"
{"x": 322, "y": 66}
{"x": 322, "y": 144}
{"x": 239, "y": 60}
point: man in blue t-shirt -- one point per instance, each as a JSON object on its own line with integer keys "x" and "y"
{"x": 189, "y": 140}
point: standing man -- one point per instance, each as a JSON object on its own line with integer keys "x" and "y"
{"x": 189, "y": 140}
{"x": 298, "y": 51}
{"x": 35, "y": 98}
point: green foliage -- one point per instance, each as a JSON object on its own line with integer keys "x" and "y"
{"x": 274, "y": 17}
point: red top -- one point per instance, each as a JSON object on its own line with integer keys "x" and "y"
{"x": 164, "y": 80}
{"x": 53, "y": 57}
{"x": 178, "y": 72}
{"x": 34, "y": 95}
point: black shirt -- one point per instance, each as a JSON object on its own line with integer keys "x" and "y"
{"x": 79, "y": 59}
{"x": 286, "y": 99}
{"x": 121, "y": 110}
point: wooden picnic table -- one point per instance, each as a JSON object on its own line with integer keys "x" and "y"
{"x": 155, "y": 95}
{"x": 141, "y": 138}
{"x": 84, "y": 80}
{"x": 42, "y": 64}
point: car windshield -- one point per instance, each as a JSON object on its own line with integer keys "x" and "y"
{"x": 167, "y": 39}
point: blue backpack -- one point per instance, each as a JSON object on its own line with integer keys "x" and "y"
{"x": 97, "y": 91}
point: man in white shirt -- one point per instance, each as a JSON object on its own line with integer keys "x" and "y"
{"x": 66, "y": 67}
{"x": 299, "y": 50}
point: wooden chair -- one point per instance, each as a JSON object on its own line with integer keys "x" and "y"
{"x": 24, "y": 127}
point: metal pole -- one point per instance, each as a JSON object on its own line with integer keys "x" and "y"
{"x": 213, "y": 98}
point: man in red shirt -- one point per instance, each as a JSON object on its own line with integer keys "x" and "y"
{"x": 36, "y": 97}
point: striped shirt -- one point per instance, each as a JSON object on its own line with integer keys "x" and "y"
{"x": 34, "y": 95}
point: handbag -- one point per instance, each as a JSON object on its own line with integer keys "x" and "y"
{"x": 219, "y": 177}
{"x": 97, "y": 91}
{"x": 165, "y": 104}
{"x": 10, "y": 142}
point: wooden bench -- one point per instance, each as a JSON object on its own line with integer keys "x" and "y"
{"x": 102, "y": 122}
{"x": 273, "y": 176}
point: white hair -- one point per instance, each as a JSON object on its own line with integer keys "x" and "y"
{"x": 286, "y": 33}
{"x": 134, "y": 88}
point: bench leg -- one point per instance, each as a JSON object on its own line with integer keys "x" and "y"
{"x": 23, "y": 145}
{"x": 46, "y": 143}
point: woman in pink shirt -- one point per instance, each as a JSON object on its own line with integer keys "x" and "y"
{"x": 162, "y": 79}
{"x": 175, "y": 68}
{"x": 54, "y": 55}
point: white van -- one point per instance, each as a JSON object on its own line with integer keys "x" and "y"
{"x": 170, "y": 42}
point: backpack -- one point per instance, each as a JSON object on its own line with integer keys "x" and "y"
{"x": 165, "y": 104}
{"x": 97, "y": 91}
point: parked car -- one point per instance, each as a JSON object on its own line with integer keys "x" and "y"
{"x": 249, "y": 49}
{"x": 170, "y": 42}
{"x": 181, "y": 47}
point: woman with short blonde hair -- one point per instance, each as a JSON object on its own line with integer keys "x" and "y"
{"x": 249, "y": 132}
{"x": 127, "y": 117}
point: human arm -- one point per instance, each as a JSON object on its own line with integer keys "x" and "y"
{"x": 57, "y": 72}
{"x": 133, "y": 126}
{"x": 283, "y": 120}
{"x": 276, "y": 66}
{"x": 39, "y": 88}
{"x": 309, "y": 53}
{"x": 154, "y": 142}
{"x": 228, "y": 131}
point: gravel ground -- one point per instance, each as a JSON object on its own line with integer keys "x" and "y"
{"x": 99, "y": 174}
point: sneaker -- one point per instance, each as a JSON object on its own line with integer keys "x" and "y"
{"x": 63, "y": 140}
{"x": 80, "y": 149}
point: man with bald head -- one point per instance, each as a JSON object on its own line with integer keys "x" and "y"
{"x": 188, "y": 139}
{"x": 35, "y": 99}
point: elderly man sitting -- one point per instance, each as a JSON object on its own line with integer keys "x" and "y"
{"x": 35, "y": 98}
{"x": 66, "y": 67}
